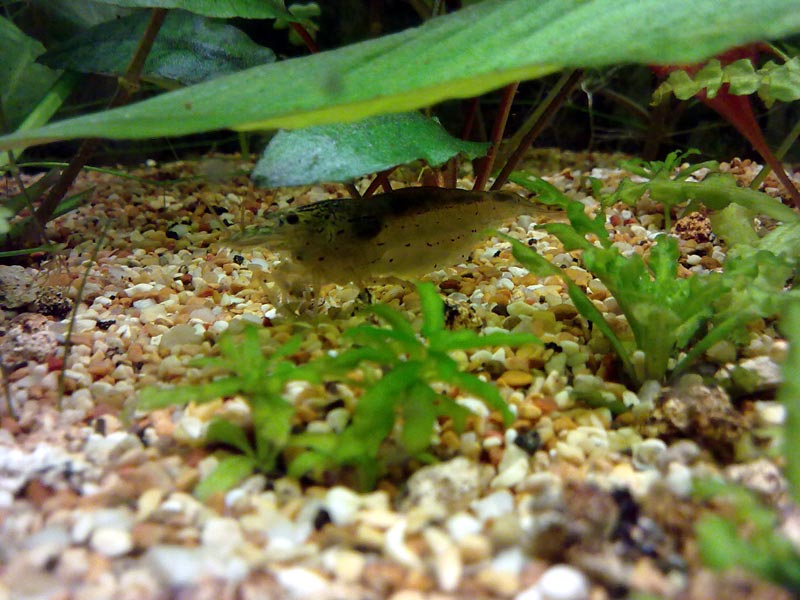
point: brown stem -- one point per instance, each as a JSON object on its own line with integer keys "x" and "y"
{"x": 469, "y": 120}
{"x": 450, "y": 172}
{"x": 381, "y": 180}
{"x": 126, "y": 86}
{"x": 306, "y": 37}
{"x": 498, "y": 128}
{"x": 539, "y": 120}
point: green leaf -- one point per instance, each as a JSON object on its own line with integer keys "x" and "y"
{"x": 467, "y": 340}
{"x": 230, "y": 471}
{"x": 463, "y": 54}
{"x": 249, "y": 9}
{"x": 152, "y": 398}
{"x": 188, "y": 49}
{"x": 343, "y": 151}
{"x": 485, "y": 391}
{"x": 789, "y": 395}
{"x": 223, "y": 431}
{"x": 272, "y": 424}
{"x": 432, "y": 308}
{"x": 772, "y": 81}
{"x": 419, "y": 414}
{"x": 23, "y": 83}
{"x": 395, "y": 319}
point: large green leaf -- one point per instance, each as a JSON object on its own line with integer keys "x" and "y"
{"x": 188, "y": 49}
{"x": 342, "y": 151}
{"x": 249, "y": 9}
{"x": 22, "y": 81}
{"x": 479, "y": 48}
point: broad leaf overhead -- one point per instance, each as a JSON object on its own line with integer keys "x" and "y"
{"x": 23, "y": 81}
{"x": 342, "y": 151}
{"x": 188, "y": 49}
{"x": 479, "y": 48}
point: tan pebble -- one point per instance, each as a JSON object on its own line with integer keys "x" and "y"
{"x": 516, "y": 378}
{"x": 564, "y": 311}
{"x": 187, "y": 479}
{"x": 369, "y": 536}
{"x": 563, "y": 424}
{"x": 100, "y": 368}
{"x": 385, "y": 576}
{"x": 501, "y": 583}
{"x": 710, "y": 263}
{"x": 136, "y": 353}
{"x": 475, "y": 548}
{"x": 495, "y": 455}
{"x": 146, "y": 535}
{"x": 408, "y": 595}
{"x": 450, "y": 440}
{"x": 529, "y": 411}
{"x": 148, "y": 502}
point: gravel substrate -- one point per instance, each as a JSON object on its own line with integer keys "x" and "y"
{"x": 572, "y": 502}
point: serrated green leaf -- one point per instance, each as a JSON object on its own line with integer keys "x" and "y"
{"x": 248, "y": 9}
{"x": 188, "y": 49}
{"x": 466, "y": 53}
{"x": 432, "y": 308}
{"x": 772, "y": 81}
{"x": 344, "y": 151}
{"x": 418, "y": 412}
{"x": 223, "y": 431}
{"x": 230, "y": 471}
{"x": 152, "y": 398}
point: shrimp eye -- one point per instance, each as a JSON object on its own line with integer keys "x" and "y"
{"x": 292, "y": 219}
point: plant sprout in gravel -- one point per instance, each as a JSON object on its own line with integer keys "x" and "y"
{"x": 674, "y": 320}
{"x": 404, "y": 404}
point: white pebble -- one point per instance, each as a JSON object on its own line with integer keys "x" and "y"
{"x": 563, "y": 582}
{"x": 342, "y": 505}
{"x": 493, "y": 506}
{"x": 302, "y": 583}
{"x": 110, "y": 541}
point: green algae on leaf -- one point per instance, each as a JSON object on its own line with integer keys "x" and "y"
{"x": 188, "y": 49}
{"x": 343, "y": 151}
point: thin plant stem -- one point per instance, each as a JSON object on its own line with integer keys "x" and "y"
{"x": 381, "y": 180}
{"x": 497, "y": 135}
{"x": 306, "y": 37}
{"x": 126, "y": 86}
{"x": 787, "y": 143}
{"x": 76, "y": 304}
{"x": 353, "y": 190}
{"x": 534, "y": 125}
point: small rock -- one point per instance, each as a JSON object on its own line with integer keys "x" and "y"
{"x": 28, "y": 337}
{"x": 562, "y": 582}
{"x": 446, "y": 488}
{"x": 111, "y": 542}
{"x": 516, "y": 378}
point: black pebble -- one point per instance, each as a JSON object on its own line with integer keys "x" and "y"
{"x": 528, "y": 440}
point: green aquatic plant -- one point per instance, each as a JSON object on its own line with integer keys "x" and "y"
{"x": 401, "y": 400}
{"x": 405, "y": 395}
{"x": 747, "y": 536}
{"x": 261, "y": 380}
{"x": 673, "y": 319}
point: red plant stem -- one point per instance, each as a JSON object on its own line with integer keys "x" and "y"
{"x": 306, "y": 37}
{"x": 738, "y": 111}
{"x": 553, "y": 102}
{"x": 469, "y": 120}
{"x": 128, "y": 84}
{"x": 381, "y": 179}
{"x": 498, "y": 129}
